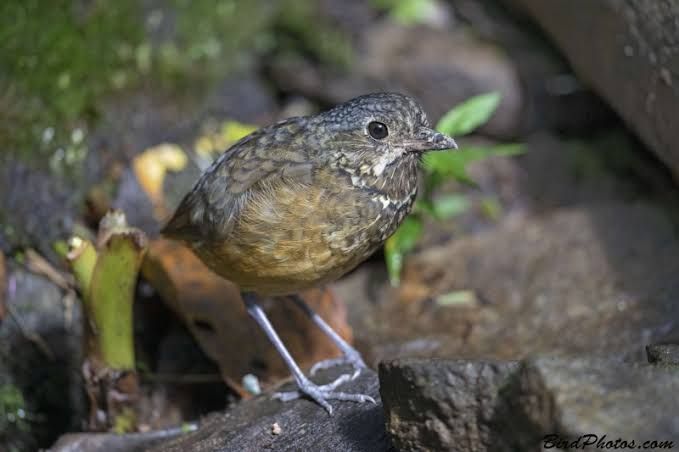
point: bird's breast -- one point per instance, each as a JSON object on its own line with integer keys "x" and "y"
{"x": 291, "y": 236}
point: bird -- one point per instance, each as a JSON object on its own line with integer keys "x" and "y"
{"x": 302, "y": 202}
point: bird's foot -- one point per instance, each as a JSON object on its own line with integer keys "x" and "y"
{"x": 351, "y": 357}
{"x": 322, "y": 393}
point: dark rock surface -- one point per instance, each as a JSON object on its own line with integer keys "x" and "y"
{"x": 35, "y": 208}
{"x": 111, "y": 442}
{"x": 479, "y": 406}
{"x": 441, "y": 68}
{"x": 627, "y": 51}
{"x": 481, "y": 48}
{"x": 445, "y": 405}
{"x": 553, "y": 96}
{"x": 593, "y": 278}
{"x": 249, "y": 426}
{"x": 588, "y": 395}
{"x": 663, "y": 354}
{"x": 40, "y": 353}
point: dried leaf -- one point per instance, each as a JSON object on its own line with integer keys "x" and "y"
{"x": 210, "y": 144}
{"x": 40, "y": 266}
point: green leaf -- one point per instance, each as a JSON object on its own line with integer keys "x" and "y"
{"x": 449, "y": 206}
{"x": 189, "y": 427}
{"x": 402, "y": 242}
{"x": 423, "y": 206}
{"x": 454, "y": 163}
{"x": 443, "y": 207}
{"x": 411, "y": 12}
{"x": 457, "y": 298}
{"x": 407, "y": 12}
{"x": 491, "y": 208}
{"x": 469, "y": 115}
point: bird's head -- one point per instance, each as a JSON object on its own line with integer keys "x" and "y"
{"x": 373, "y": 132}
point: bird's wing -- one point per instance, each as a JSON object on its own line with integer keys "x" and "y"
{"x": 211, "y": 209}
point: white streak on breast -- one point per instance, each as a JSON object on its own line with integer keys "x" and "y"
{"x": 384, "y": 160}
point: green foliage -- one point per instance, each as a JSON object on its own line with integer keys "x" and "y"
{"x": 469, "y": 115}
{"x": 457, "y": 298}
{"x": 440, "y": 167}
{"x": 300, "y": 28}
{"x": 61, "y": 60}
{"x": 491, "y": 208}
{"x": 56, "y": 59}
{"x": 125, "y": 422}
{"x": 211, "y": 34}
{"x": 12, "y": 408}
{"x": 406, "y": 12}
{"x": 401, "y": 243}
{"x": 455, "y": 164}
{"x": 66, "y": 55}
{"x": 443, "y": 207}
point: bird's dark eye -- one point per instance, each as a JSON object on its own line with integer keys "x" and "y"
{"x": 378, "y": 130}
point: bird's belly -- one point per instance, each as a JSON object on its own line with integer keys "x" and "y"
{"x": 285, "y": 247}
{"x": 279, "y": 265}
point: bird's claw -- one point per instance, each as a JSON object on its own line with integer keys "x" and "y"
{"x": 353, "y": 359}
{"x": 321, "y": 394}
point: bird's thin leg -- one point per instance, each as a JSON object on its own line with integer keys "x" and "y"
{"x": 320, "y": 394}
{"x": 349, "y": 354}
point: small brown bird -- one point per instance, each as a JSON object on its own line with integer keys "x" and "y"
{"x": 302, "y": 202}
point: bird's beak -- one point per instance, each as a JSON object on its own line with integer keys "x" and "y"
{"x": 430, "y": 140}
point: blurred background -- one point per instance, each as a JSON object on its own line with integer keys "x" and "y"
{"x": 562, "y": 244}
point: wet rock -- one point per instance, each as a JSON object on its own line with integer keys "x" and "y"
{"x": 263, "y": 423}
{"x": 633, "y": 64}
{"x": 445, "y": 405}
{"x": 40, "y": 355}
{"x": 479, "y": 406}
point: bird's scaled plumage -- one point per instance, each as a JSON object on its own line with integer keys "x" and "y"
{"x": 302, "y": 202}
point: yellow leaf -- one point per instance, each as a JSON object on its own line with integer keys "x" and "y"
{"x": 151, "y": 166}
